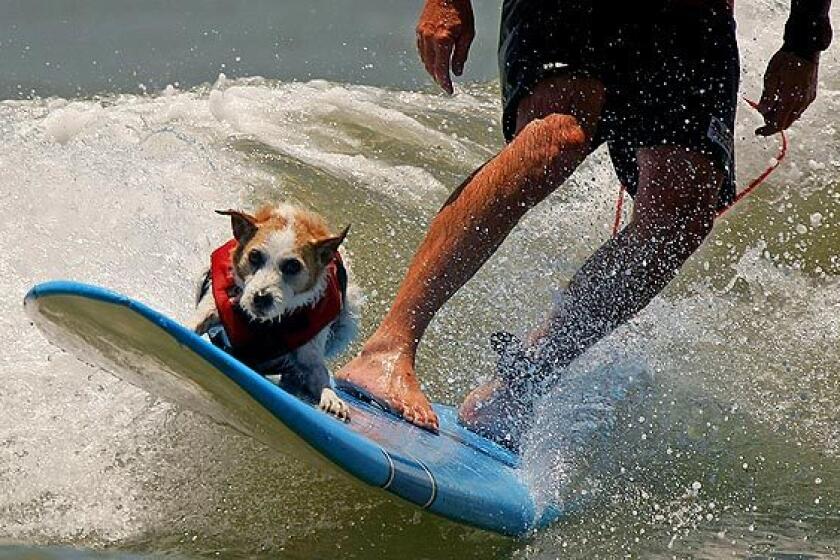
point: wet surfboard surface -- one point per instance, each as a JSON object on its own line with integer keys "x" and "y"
{"x": 455, "y": 474}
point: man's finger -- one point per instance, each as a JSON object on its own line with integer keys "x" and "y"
{"x": 771, "y": 126}
{"x": 421, "y": 50}
{"x": 459, "y": 55}
{"x": 427, "y": 55}
{"x": 433, "y": 62}
{"x": 769, "y": 108}
{"x": 799, "y": 110}
{"x": 769, "y": 94}
{"x": 443, "y": 54}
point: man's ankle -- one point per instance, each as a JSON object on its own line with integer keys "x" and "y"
{"x": 385, "y": 341}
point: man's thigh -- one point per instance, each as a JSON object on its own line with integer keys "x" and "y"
{"x": 580, "y": 97}
{"x": 677, "y": 86}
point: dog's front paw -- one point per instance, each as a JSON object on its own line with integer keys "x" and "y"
{"x": 331, "y": 404}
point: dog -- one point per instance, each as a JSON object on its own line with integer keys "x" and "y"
{"x": 278, "y": 297}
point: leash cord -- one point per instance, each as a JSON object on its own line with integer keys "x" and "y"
{"x": 755, "y": 183}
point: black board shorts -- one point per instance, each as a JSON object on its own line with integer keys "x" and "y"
{"x": 670, "y": 75}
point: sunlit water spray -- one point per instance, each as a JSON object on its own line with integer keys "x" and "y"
{"x": 706, "y": 427}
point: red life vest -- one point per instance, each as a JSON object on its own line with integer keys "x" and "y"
{"x": 254, "y": 341}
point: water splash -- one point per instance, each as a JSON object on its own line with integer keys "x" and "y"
{"x": 119, "y": 190}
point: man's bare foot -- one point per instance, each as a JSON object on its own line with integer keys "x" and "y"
{"x": 494, "y": 411}
{"x": 388, "y": 374}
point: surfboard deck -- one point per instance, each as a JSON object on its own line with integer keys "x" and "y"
{"x": 455, "y": 474}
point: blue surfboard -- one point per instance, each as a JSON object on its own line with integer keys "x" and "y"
{"x": 455, "y": 474}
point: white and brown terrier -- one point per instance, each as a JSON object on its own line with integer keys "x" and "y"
{"x": 277, "y": 297}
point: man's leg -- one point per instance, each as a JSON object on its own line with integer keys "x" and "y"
{"x": 556, "y": 126}
{"x": 674, "y": 212}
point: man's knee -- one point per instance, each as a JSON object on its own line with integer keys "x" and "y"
{"x": 678, "y": 195}
{"x": 680, "y": 235}
{"x": 581, "y": 97}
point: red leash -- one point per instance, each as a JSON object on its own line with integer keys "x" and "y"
{"x": 755, "y": 183}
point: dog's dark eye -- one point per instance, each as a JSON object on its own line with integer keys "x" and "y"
{"x": 290, "y": 267}
{"x": 256, "y": 258}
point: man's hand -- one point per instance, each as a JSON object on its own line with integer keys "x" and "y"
{"x": 790, "y": 86}
{"x": 444, "y": 34}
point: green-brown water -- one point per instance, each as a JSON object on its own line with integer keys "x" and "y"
{"x": 736, "y": 452}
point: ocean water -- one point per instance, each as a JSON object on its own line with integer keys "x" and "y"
{"x": 726, "y": 445}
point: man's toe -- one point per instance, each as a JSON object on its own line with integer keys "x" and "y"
{"x": 426, "y": 418}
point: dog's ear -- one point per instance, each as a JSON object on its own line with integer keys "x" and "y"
{"x": 244, "y": 225}
{"x": 325, "y": 248}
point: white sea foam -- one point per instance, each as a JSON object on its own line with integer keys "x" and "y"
{"x": 576, "y": 424}
{"x": 120, "y": 190}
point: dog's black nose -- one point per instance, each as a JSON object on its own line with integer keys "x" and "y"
{"x": 262, "y": 300}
